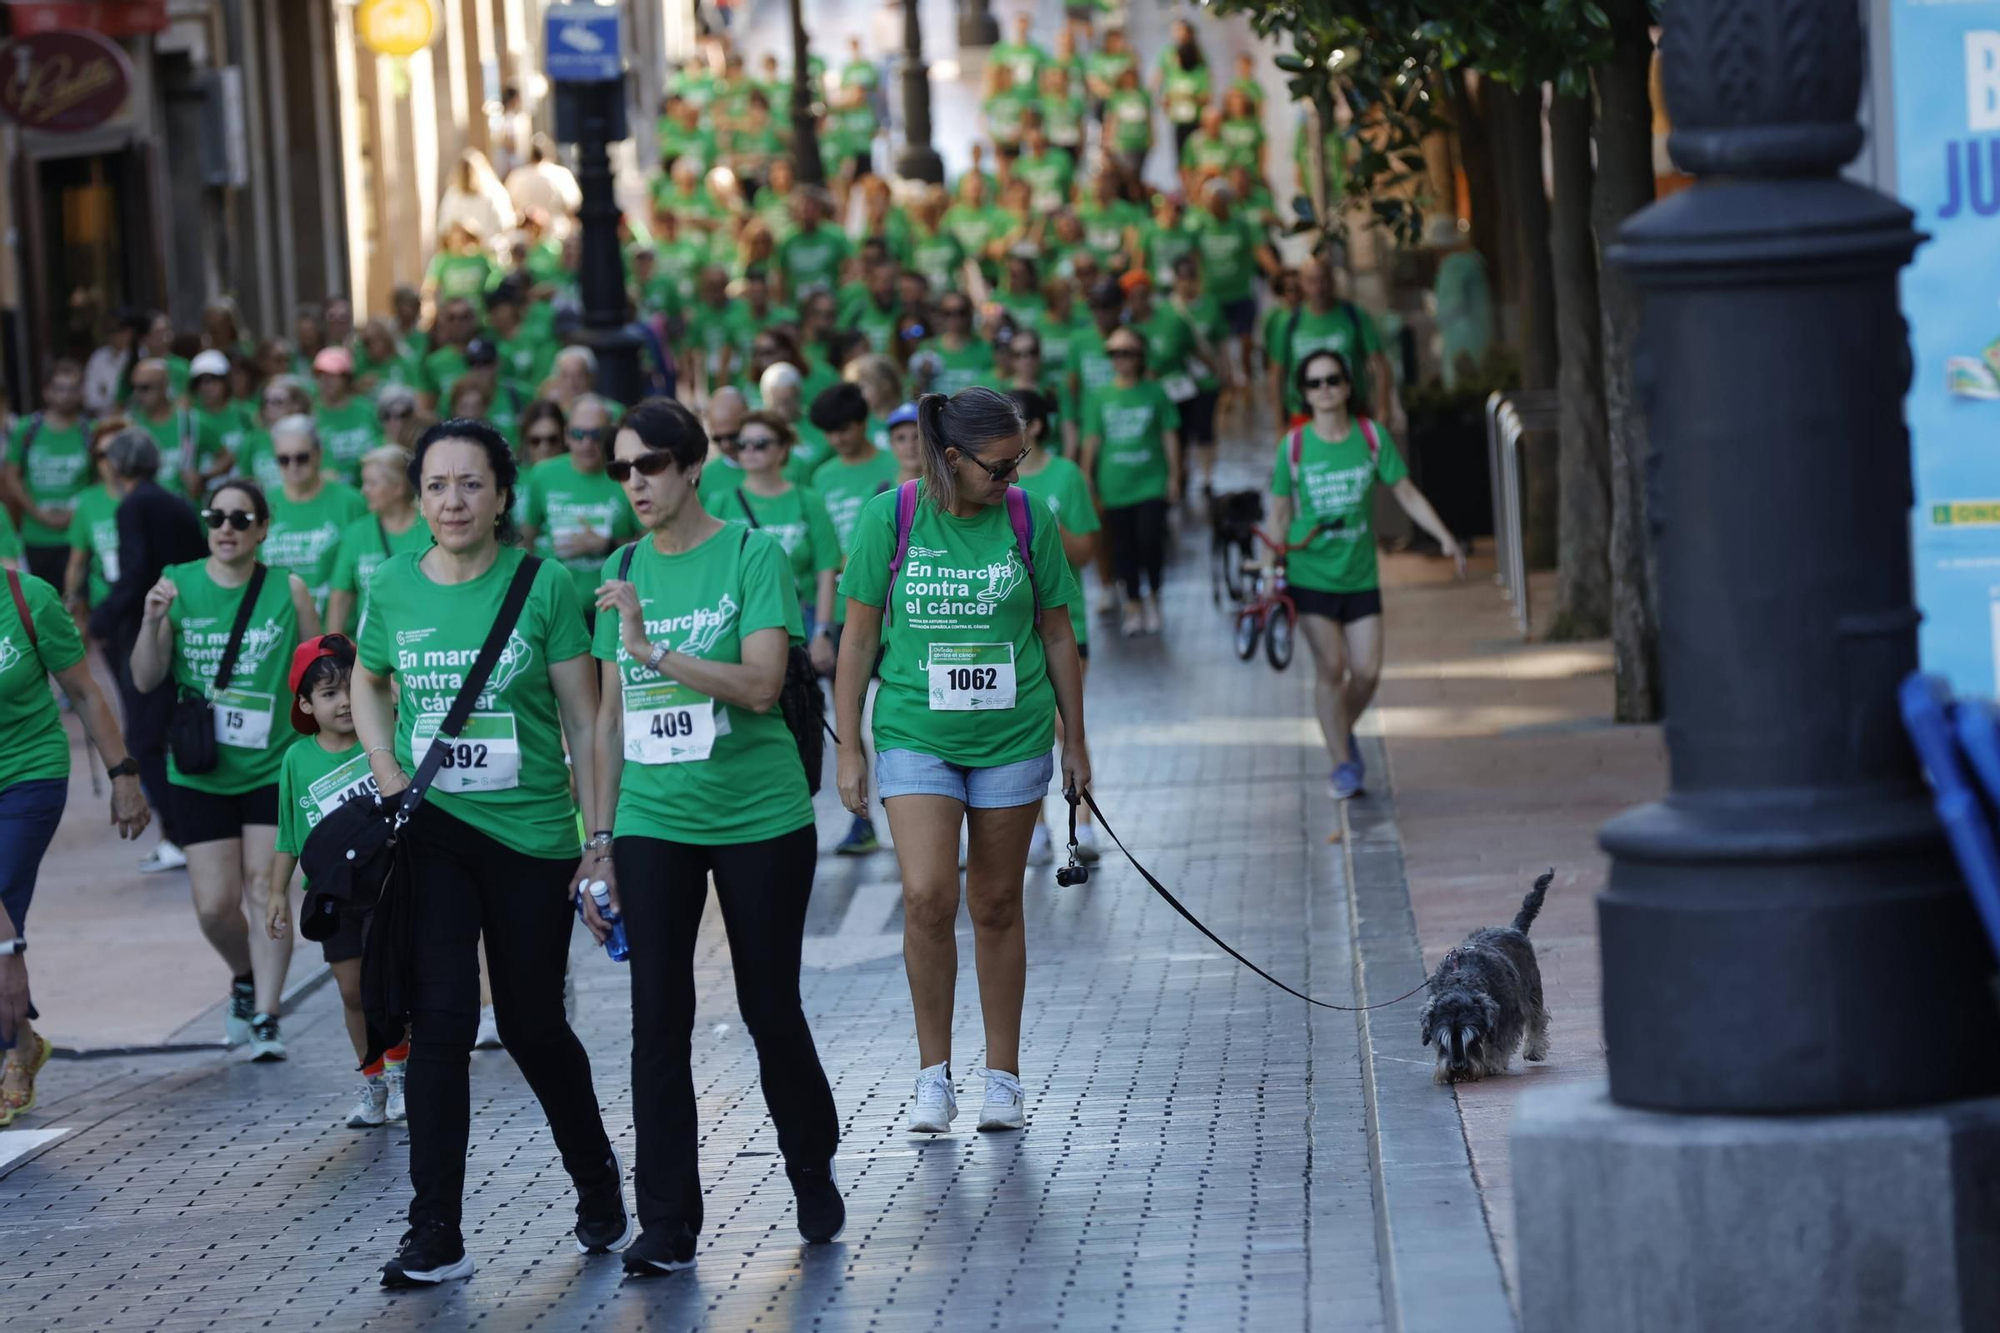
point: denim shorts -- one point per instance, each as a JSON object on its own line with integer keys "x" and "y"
{"x": 912, "y": 773}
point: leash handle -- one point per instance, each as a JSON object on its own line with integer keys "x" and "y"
{"x": 1076, "y": 872}
{"x": 1196, "y": 921}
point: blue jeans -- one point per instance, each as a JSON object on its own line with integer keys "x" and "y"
{"x": 29, "y": 813}
{"x": 913, "y": 773}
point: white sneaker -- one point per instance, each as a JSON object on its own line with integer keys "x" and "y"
{"x": 1006, "y": 1106}
{"x": 489, "y": 1030}
{"x": 1041, "y": 848}
{"x": 1149, "y": 615}
{"x": 398, "y": 1106}
{"x": 936, "y": 1105}
{"x": 1086, "y": 844}
{"x": 371, "y": 1108}
{"x": 165, "y": 856}
{"x": 1109, "y": 602}
{"x": 1133, "y": 622}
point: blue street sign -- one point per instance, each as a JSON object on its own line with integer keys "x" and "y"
{"x": 584, "y": 45}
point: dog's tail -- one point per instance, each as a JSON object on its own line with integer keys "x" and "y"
{"x": 1531, "y": 906}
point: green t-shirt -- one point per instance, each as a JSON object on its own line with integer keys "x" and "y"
{"x": 1204, "y": 316}
{"x": 1049, "y": 176}
{"x": 798, "y": 520}
{"x": 258, "y": 461}
{"x": 1131, "y": 425}
{"x": 362, "y": 552}
{"x": 1345, "y": 328}
{"x": 459, "y": 275}
{"x": 345, "y": 434}
{"x": 969, "y": 365}
{"x": 1243, "y": 138}
{"x": 563, "y": 502}
{"x": 1063, "y": 120}
{"x": 697, "y": 770}
{"x": 1184, "y": 91}
{"x": 172, "y": 435}
{"x": 811, "y": 260}
{"x": 1003, "y": 114}
{"x": 1169, "y": 343}
{"x": 228, "y": 429}
{"x": 977, "y": 228}
{"x": 442, "y": 369}
{"x": 1206, "y": 152}
{"x": 1163, "y": 247}
{"x": 850, "y": 130}
{"x": 1089, "y": 361}
{"x": 719, "y": 477}
{"x": 314, "y": 782}
{"x": 37, "y": 747}
{"x": 863, "y": 74}
{"x": 1107, "y": 67}
{"x": 56, "y": 470}
{"x": 1338, "y": 484}
{"x": 1022, "y": 59}
{"x": 509, "y": 778}
{"x": 252, "y": 718}
{"x": 305, "y": 535}
{"x": 527, "y": 358}
{"x": 964, "y": 677}
{"x": 1105, "y": 228}
{"x": 844, "y": 487}
{"x": 1228, "y": 249}
{"x": 93, "y": 527}
{"x": 10, "y": 540}
{"x": 1128, "y": 119}
{"x": 939, "y": 257}
{"x": 1060, "y": 485}
{"x": 872, "y": 321}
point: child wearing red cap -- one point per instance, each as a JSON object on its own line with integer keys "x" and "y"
{"x": 319, "y": 775}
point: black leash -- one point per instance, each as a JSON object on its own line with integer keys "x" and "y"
{"x": 1077, "y": 873}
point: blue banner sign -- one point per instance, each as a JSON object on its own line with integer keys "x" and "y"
{"x": 584, "y": 45}
{"x": 1946, "y": 67}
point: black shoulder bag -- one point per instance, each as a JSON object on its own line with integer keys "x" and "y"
{"x": 191, "y": 731}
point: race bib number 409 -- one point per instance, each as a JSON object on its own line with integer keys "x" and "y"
{"x": 485, "y": 757}
{"x": 668, "y": 723}
{"x": 971, "y": 677}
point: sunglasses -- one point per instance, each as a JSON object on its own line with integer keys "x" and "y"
{"x": 581, "y": 433}
{"x": 548, "y": 438}
{"x": 651, "y": 464}
{"x": 1006, "y": 469}
{"x": 235, "y": 518}
{"x": 725, "y": 437}
{"x": 397, "y": 413}
{"x": 293, "y": 460}
{"x": 147, "y": 386}
{"x": 749, "y": 443}
{"x": 1122, "y": 352}
{"x": 1326, "y": 382}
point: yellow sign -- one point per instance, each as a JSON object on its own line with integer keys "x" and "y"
{"x": 1965, "y": 513}
{"x": 396, "y": 27}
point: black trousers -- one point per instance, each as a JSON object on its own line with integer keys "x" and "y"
{"x": 763, "y": 888}
{"x": 1138, "y": 543}
{"x": 468, "y": 883}
{"x": 146, "y": 717}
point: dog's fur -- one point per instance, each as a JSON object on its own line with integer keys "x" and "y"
{"x": 1486, "y": 996}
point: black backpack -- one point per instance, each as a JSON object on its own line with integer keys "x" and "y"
{"x": 800, "y": 700}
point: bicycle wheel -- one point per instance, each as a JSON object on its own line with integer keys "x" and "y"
{"x": 1249, "y": 624}
{"x": 1279, "y": 638}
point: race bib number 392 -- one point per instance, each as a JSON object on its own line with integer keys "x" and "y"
{"x": 485, "y": 757}
{"x": 971, "y": 677}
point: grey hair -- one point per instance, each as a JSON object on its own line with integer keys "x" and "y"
{"x": 728, "y": 393}
{"x": 781, "y": 379}
{"x": 297, "y": 426}
{"x": 133, "y": 455}
{"x": 966, "y": 421}
{"x": 394, "y": 395}
{"x": 598, "y": 401}
{"x": 392, "y": 456}
{"x": 576, "y": 352}
{"x": 877, "y": 372}
{"x": 290, "y": 384}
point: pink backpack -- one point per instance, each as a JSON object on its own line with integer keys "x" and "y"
{"x": 1295, "y": 445}
{"x": 1019, "y": 514}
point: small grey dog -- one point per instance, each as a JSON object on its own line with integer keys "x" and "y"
{"x": 1486, "y": 995}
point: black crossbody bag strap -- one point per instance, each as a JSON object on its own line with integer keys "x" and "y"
{"x": 748, "y": 512}
{"x": 475, "y": 685}
{"x": 227, "y": 666}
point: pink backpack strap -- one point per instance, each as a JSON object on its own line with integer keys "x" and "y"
{"x": 1374, "y": 440}
{"x": 906, "y": 518}
{"x": 1295, "y": 447}
{"x": 1021, "y": 517}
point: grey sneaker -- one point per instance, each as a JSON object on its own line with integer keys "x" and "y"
{"x": 371, "y": 1107}
{"x": 1006, "y": 1106}
{"x": 936, "y": 1105}
{"x": 398, "y": 1107}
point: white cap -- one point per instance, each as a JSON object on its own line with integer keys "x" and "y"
{"x": 210, "y": 362}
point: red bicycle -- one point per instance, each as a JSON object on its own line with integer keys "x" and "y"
{"x": 1271, "y": 615}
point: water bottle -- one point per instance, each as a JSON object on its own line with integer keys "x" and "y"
{"x": 614, "y": 944}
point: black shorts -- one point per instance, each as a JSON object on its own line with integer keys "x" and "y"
{"x": 864, "y": 164}
{"x": 201, "y": 816}
{"x": 344, "y": 945}
{"x": 1341, "y": 607}
{"x": 1198, "y": 418}
{"x": 1241, "y": 316}
{"x": 1083, "y": 652}
{"x": 50, "y": 564}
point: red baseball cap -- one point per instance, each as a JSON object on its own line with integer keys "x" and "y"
{"x": 302, "y": 658}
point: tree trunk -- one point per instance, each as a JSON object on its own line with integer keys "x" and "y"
{"x": 1523, "y": 197}
{"x": 1624, "y": 185}
{"x": 1475, "y": 158}
{"x": 806, "y": 165}
{"x": 1583, "y": 466}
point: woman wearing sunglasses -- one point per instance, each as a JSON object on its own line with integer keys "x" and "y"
{"x": 698, "y": 775}
{"x": 980, "y": 657}
{"x": 1333, "y": 463}
{"x": 93, "y": 528}
{"x": 494, "y": 845}
{"x": 391, "y": 526}
{"x": 794, "y": 515}
{"x": 1132, "y": 458}
{"x": 310, "y": 511}
{"x": 227, "y": 818}
{"x": 574, "y": 513}
{"x": 283, "y": 396}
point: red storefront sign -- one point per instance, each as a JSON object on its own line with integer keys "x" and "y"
{"x": 113, "y": 18}
{"x": 63, "y": 82}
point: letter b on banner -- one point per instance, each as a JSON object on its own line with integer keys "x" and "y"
{"x": 1982, "y": 81}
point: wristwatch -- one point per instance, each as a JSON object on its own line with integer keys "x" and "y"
{"x": 128, "y": 767}
{"x": 13, "y": 946}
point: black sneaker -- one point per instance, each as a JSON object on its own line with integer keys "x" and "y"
{"x": 661, "y": 1250}
{"x": 432, "y": 1252}
{"x": 822, "y": 1212}
{"x": 602, "y": 1224}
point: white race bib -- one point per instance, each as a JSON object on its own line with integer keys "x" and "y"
{"x": 1179, "y": 388}
{"x": 486, "y": 756}
{"x": 667, "y": 723}
{"x": 243, "y": 719}
{"x": 337, "y": 788}
{"x": 108, "y": 558}
{"x": 971, "y": 677}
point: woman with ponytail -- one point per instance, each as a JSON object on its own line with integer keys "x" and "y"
{"x": 961, "y": 581}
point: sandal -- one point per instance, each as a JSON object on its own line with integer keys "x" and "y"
{"x": 17, "y": 1081}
